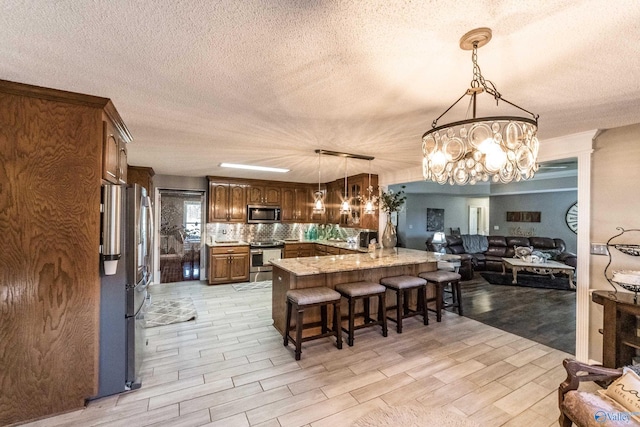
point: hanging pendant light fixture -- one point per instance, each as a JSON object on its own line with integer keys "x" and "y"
{"x": 318, "y": 202}
{"x": 345, "y": 206}
{"x": 500, "y": 148}
{"x": 370, "y": 202}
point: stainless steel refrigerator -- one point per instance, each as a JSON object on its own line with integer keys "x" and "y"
{"x": 127, "y": 242}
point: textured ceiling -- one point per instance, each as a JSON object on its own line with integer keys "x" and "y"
{"x": 200, "y": 82}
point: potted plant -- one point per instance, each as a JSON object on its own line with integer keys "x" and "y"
{"x": 391, "y": 201}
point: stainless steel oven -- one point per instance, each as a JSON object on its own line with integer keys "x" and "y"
{"x": 260, "y": 255}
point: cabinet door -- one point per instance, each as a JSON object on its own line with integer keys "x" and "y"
{"x": 237, "y": 211}
{"x": 218, "y": 201}
{"x": 288, "y": 205}
{"x": 306, "y": 251}
{"x": 302, "y": 204}
{"x": 272, "y": 195}
{"x": 122, "y": 161}
{"x": 239, "y": 267}
{"x": 110, "y": 153}
{"x": 255, "y": 195}
{"x": 219, "y": 269}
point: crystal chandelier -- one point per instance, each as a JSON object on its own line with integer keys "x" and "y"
{"x": 318, "y": 202}
{"x": 503, "y": 148}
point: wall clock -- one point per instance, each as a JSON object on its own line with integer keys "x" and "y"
{"x": 571, "y": 217}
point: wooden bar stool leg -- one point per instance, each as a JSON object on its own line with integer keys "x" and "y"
{"x": 299, "y": 324}
{"x": 336, "y": 324}
{"x": 400, "y": 304}
{"x": 288, "y": 324}
{"x": 367, "y": 313}
{"x": 352, "y": 316}
{"x": 423, "y": 294}
{"x": 382, "y": 313}
{"x": 439, "y": 301}
{"x": 458, "y": 297}
{"x": 323, "y": 319}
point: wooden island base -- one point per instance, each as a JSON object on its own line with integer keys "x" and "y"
{"x": 350, "y": 268}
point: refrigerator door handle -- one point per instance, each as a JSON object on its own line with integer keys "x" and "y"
{"x": 148, "y": 274}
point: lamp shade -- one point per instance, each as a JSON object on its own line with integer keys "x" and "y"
{"x": 439, "y": 237}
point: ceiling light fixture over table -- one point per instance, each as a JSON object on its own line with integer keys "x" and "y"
{"x": 503, "y": 148}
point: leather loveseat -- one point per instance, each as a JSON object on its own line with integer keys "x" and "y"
{"x": 488, "y": 253}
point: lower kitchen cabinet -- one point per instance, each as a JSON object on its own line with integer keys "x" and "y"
{"x": 228, "y": 264}
{"x": 298, "y": 250}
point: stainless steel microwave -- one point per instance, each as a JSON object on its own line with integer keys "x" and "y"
{"x": 261, "y": 214}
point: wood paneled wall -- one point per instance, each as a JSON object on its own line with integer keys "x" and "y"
{"x": 50, "y": 165}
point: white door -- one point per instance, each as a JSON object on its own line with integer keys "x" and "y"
{"x": 473, "y": 219}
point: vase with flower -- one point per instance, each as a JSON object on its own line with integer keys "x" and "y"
{"x": 391, "y": 202}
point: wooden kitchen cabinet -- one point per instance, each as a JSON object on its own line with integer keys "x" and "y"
{"x": 260, "y": 194}
{"x": 227, "y": 201}
{"x": 228, "y": 264}
{"x": 114, "y": 154}
{"x": 50, "y": 313}
{"x": 143, "y": 176}
{"x": 298, "y": 250}
{"x": 295, "y": 204}
{"x": 357, "y": 186}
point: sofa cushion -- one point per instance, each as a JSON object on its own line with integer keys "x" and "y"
{"x": 518, "y": 241}
{"x": 497, "y": 241}
{"x": 542, "y": 243}
{"x": 625, "y": 391}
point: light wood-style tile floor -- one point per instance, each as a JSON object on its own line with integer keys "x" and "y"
{"x": 229, "y": 368}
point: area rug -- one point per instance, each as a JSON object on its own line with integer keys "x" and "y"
{"x": 527, "y": 280}
{"x": 166, "y": 312}
{"x": 412, "y": 416}
{"x": 249, "y": 286}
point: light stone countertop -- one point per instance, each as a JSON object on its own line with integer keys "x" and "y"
{"x": 337, "y": 263}
{"x": 222, "y": 243}
{"x": 334, "y": 243}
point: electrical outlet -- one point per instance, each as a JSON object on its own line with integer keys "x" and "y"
{"x": 496, "y": 227}
{"x": 599, "y": 249}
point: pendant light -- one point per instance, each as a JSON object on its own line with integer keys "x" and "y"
{"x": 318, "y": 202}
{"x": 500, "y": 148}
{"x": 369, "y": 204}
{"x": 345, "y": 206}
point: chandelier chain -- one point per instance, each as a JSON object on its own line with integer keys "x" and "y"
{"x": 479, "y": 80}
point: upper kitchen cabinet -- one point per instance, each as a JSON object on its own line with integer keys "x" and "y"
{"x": 295, "y": 204}
{"x": 114, "y": 153}
{"x": 358, "y": 191}
{"x": 227, "y": 201}
{"x": 261, "y": 194}
{"x": 143, "y": 176}
{"x": 52, "y": 146}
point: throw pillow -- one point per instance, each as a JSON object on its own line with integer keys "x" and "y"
{"x": 626, "y": 391}
{"x": 522, "y": 251}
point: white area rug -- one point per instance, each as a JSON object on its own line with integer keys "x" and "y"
{"x": 412, "y": 416}
{"x": 249, "y": 286}
{"x": 166, "y": 312}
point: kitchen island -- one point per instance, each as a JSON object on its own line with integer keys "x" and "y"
{"x": 308, "y": 272}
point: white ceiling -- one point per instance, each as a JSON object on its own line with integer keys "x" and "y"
{"x": 200, "y": 82}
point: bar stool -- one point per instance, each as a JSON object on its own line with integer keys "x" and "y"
{"x": 400, "y": 285}
{"x": 364, "y": 290}
{"x": 440, "y": 279}
{"x": 301, "y": 299}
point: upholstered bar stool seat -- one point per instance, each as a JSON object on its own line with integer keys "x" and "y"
{"x": 401, "y": 285}
{"x": 440, "y": 279}
{"x": 301, "y": 299}
{"x": 364, "y": 290}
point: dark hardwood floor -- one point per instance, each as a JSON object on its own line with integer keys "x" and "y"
{"x": 546, "y": 316}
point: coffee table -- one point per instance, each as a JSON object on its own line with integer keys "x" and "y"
{"x": 547, "y": 268}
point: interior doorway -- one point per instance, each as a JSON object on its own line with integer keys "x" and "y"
{"x": 180, "y": 231}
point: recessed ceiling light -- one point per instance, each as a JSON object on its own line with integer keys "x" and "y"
{"x": 255, "y": 168}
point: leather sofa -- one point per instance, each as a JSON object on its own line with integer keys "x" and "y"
{"x": 499, "y": 247}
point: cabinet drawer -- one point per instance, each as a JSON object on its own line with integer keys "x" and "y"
{"x": 224, "y": 250}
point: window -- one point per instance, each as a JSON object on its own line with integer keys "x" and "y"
{"x": 192, "y": 220}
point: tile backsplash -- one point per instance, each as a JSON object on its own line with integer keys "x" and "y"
{"x": 249, "y": 232}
